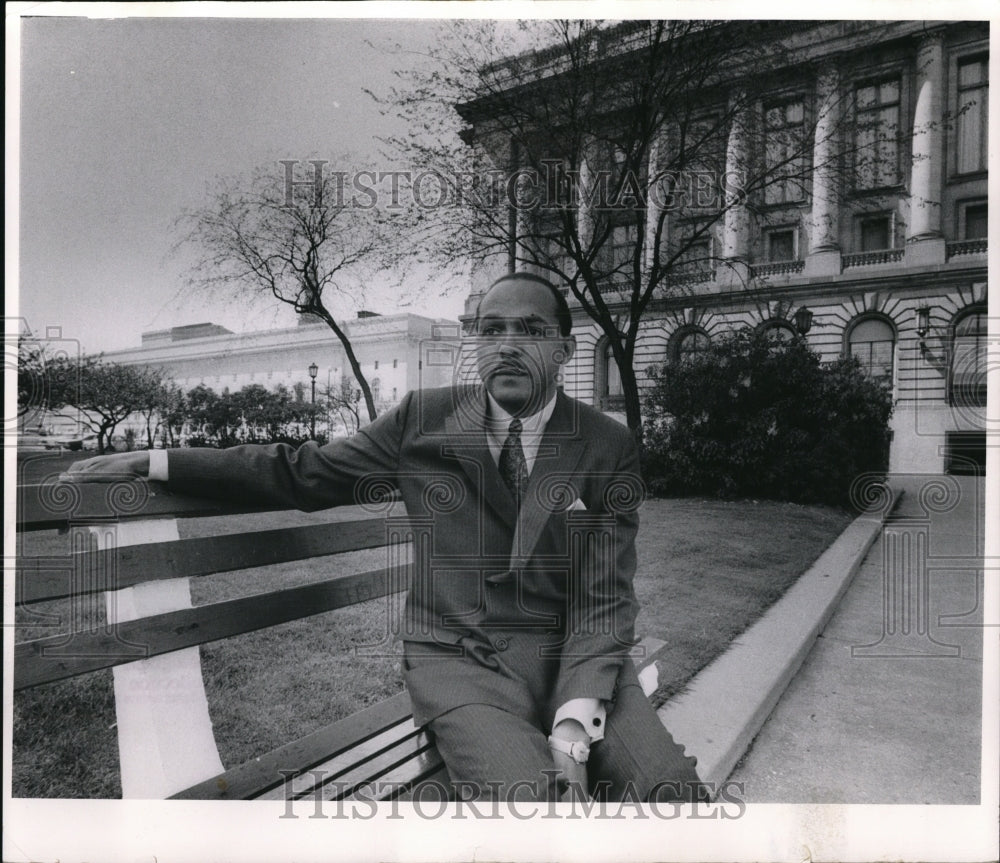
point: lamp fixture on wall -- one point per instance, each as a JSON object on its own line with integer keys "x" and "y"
{"x": 923, "y": 323}
{"x": 923, "y": 330}
{"x": 803, "y": 320}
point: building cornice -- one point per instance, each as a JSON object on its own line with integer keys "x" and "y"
{"x": 926, "y": 280}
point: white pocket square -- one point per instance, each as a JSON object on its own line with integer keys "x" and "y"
{"x": 576, "y": 504}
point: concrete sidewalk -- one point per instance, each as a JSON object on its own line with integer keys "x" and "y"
{"x": 886, "y": 708}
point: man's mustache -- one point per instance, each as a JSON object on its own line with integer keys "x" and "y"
{"x": 510, "y": 365}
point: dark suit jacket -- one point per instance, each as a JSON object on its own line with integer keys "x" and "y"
{"x": 572, "y": 568}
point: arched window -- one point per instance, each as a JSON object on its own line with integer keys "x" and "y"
{"x": 873, "y": 341}
{"x": 778, "y": 332}
{"x": 607, "y": 378}
{"x": 687, "y": 342}
{"x": 968, "y": 359}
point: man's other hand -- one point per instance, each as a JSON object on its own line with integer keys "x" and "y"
{"x": 108, "y": 468}
{"x": 574, "y": 774}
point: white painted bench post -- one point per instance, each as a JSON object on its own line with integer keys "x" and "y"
{"x": 165, "y": 738}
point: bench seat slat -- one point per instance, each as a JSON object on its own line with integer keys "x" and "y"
{"x": 40, "y": 580}
{"x": 412, "y": 754}
{"x": 343, "y": 762}
{"x": 376, "y": 770}
{"x": 399, "y": 782}
{"x": 438, "y": 774}
{"x": 254, "y": 778}
{"x": 57, "y": 657}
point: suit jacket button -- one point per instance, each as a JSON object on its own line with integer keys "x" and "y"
{"x": 500, "y": 644}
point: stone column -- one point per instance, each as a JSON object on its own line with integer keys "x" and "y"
{"x": 925, "y": 243}
{"x": 736, "y": 224}
{"x": 656, "y": 190}
{"x": 585, "y": 189}
{"x": 824, "y": 241}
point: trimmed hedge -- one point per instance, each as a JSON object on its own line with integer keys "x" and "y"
{"x": 749, "y": 417}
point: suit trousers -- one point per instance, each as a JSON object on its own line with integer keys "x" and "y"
{"x": 491, "y": 717}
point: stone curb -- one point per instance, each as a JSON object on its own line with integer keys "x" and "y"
{"x": 720, "y": 712}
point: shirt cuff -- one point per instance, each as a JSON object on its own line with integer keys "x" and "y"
{"x": 158, "y": 465}
{"x": 589, "y": 712}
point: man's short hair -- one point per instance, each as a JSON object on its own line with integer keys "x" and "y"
{"x": 563, "y": 316}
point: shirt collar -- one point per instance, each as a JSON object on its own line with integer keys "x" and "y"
{"x": 498, "y": 420}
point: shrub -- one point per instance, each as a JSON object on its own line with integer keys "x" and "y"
{"x": 749, "y": 417}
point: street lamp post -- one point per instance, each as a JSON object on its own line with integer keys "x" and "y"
{"x": 313, "y": 371}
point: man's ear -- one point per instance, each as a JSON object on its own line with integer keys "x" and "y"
{"x": 569, "y": 348}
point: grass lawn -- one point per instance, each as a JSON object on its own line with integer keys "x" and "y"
{"x": 707, "y": 570}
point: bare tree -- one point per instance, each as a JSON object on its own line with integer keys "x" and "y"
{"x": 605, "y": 155}
{"x": 295, "y": 231}
{"x": 343, "y": 399}
{"x": 103, "y": 393}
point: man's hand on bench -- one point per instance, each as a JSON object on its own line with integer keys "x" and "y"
{"x": 109, "y": 468}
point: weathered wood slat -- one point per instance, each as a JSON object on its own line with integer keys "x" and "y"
{"x": 400, "y": 782}
{"x": 258, "y": 776}
{"x": 369, "y": 778}
{"x": 435, "y": 772}
{"x": 341, "y": 763}
{"x": 39, "y": 579}
{"x": 54, "y": 503}
{"x": 57, "y": 657}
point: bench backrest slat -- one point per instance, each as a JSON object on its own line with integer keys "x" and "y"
{"x": 135, "y": 564}
{"x": 48, "y": 504}
{"x": 57, "y": 657}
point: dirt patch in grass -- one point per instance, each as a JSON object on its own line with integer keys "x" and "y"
{"x": 707, "y": 570}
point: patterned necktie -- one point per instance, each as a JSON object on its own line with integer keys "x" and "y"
{"x": 513, "y": 467}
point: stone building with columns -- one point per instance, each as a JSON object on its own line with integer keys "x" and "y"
{"x": 397, "y": 353}
{"x": 880, "y": 252}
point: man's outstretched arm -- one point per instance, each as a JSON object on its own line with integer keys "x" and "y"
{"x": 308, "y": 477}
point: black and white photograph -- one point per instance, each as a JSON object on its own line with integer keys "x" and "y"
{"x": 500, "y": 431}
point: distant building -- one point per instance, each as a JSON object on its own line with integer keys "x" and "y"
{"x": 892, "y": 271}
{"x": 397, "y": 353}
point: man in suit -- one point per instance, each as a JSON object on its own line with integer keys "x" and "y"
{"x": 520, "y": 616}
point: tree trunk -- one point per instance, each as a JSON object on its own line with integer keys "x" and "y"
{"x": 352, "y": 359}
{"x": 633, "y": 405}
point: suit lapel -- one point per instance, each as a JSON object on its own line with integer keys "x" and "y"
{"x": 466, "y": 430}
{"x": 558, "y": 455}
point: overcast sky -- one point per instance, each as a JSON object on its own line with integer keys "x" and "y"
{"x": 124, "y": 123}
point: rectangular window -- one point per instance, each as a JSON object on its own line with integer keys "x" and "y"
{"x": 976, "y": 222}
{"x": 780, "y": 245}
{"x": 395, "y": 363}
{"x": 875, "y": 233}
{"x": 968, "y": 361}
{"x": 559, "y": 258}
{"x": 785, "y": 152}
{"x": 965, "y": 453}
{"x": 701, "y": 160}
{"x": 972, "y": 120}
{"x": 617, "y": 253}
{"x": 696, "y": 257}
{"x": 876, "y": 136}
{"x": 376, "y": 365}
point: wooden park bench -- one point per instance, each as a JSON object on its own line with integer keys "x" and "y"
{"x": 124, "y": 544}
